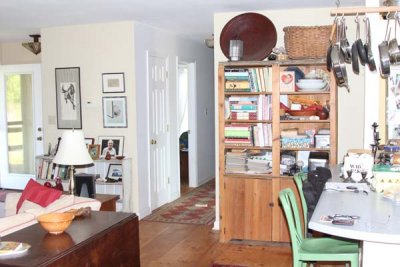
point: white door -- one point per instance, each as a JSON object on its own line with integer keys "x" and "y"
{"x": 20, "y": 123}
{"x": 159, "y": 132}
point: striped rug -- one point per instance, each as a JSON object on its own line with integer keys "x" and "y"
{"x": 195, "y": 207}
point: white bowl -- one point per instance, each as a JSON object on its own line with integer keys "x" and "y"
{"x": 311, "y": 86}
{"x": 316, "y": 81}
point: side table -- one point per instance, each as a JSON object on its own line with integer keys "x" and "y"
{"x": 108, "y": 202}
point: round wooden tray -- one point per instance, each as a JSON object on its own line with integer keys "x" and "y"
{"x": 256, "y": 31}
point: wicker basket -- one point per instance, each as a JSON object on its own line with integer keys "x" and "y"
{"x": 307, "y": 41}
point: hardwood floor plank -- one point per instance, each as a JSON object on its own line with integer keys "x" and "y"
{"x": 188, "y": 245}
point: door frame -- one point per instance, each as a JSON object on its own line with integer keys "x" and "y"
{"x": 35, "y": 70}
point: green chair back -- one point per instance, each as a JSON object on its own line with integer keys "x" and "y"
{"x": 289, "y": 205}
{"x": 298, "y": 179}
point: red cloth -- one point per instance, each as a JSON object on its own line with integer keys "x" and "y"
{"x": 38, "y": 194}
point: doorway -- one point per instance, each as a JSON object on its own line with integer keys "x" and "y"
{"x": 20, "y": 123}
{"x": 186, "y": 81}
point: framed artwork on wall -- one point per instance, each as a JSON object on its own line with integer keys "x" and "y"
{"x": 113, "y": 83}
{"x": 111, "y": 144}
{"x": 114, "y": 112}
{"x": 68, "y": 98}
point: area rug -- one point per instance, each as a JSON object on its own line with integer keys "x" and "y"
{"x": 195, "y": 207}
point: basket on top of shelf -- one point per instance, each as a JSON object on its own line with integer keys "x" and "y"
{"x": 307, "y": 41}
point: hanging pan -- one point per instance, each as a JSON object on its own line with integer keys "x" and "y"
{"x": 354, "y": 49}
{"x": 328, "y": 53}
{"x": 394, "y": 51}
{"x": 367, "y": 46}
{"x": 360, "y": 47}
{"x": 384, "y": 53}
{"x": 338, "y": 64}
{"x": 344, "y": 43}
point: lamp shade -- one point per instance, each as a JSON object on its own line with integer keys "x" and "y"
{"x": 72, "y": 150}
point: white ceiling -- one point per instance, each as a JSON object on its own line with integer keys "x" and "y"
{"x": 192, "y": 18}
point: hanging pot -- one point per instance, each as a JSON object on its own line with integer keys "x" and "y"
{"x": 354, "y": 58}
{"x": 384, "y": 54}
{"x": 360, "y": 47}
{"x": 344, "y": 43}
{"x": 367, "y": 46}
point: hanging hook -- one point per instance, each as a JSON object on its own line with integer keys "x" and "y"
{"x": 337, "y": 3}
{"x": 357, "y": 20}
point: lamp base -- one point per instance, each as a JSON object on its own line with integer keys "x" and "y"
{"x": 71, "y": 188}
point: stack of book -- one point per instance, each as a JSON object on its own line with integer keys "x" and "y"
{"x": 257, "y": 79}
{"x": 238, "y": 134}
{"x": 243, "y": 108}
{"x": 261, "y": 163}
{"x": 235, "y": 162}
{"x": 262, "y": 134}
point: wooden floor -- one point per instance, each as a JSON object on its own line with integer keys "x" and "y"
{"x": 184, "y": 245}
{"x": 181, "y": 245}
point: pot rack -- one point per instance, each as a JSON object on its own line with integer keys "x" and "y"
{"x": 364, "y": 10}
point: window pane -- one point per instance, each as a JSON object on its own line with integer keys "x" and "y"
{"x": 20, "y": 123}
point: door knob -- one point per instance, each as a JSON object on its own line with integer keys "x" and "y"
{"x": 39, "y": 129}
{"x": 153, "y": 142}
{"x": 39, "y": 138}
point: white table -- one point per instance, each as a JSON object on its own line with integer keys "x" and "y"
{"x": 378, "y": 228}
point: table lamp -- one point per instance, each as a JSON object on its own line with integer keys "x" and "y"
{"x": 72, "y": 152}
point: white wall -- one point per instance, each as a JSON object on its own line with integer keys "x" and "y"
{"x": 96, "y": 49}
{"x": 162, "y": 43}
{"x": 14, "y": 53}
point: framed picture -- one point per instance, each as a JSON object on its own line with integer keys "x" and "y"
{"x": 286, "y": 81}
{"x": 89, "y": 141}
{"x": 114, "y": 172}
{"x": 63, "y": 172}
{"x": 68, "y": 98}
{"x": 114, "y": 112}
{"x": 113, "y": 83}
{"x": 94, "y": 151}
{"x": 111, "y": 144}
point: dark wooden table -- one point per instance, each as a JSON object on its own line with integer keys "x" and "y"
{"x": 102, "y": 239}
{"x": 108, "y": 202}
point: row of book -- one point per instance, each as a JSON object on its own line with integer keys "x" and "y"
{"x": 237, "y": 161}
{"x": 47, "y": 170}
{"x": 258, "y": 79}
{"x": 249, "y": 108}
{"x": 259, "y": 134}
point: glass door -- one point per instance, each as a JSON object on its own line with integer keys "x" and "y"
{"x": 20, "y": 121}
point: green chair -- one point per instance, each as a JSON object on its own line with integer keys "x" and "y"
{"x": 313, "y": 249}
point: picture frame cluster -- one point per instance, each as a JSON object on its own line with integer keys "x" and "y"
{"x": 114, "y": 107}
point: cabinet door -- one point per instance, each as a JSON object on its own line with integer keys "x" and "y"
{"x": 283, "y": 230}
{"x": 247, "y": 209}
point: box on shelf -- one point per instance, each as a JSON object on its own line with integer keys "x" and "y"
{"x": 299, "y": 141}
{"x": 322, "y": 140}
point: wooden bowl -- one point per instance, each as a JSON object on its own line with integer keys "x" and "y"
{"x": 120, "y": 157}
{"x": 56, "y": 223}
{"x": 302, "y": 112}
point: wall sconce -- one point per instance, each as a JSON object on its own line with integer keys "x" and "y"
{"x": 209, "y": 41}
{"x": 35, "y": 46}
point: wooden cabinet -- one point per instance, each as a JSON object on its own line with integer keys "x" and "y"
{"x": 251, "y": 146}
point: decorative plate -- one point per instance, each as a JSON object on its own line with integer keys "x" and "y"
{"x": 8, "y": 248}
{"x": 256, "y": 31}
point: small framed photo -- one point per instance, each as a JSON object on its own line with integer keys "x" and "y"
{"x": 62, "y": 172}
{"x": 114, "y": 145}
{"x": 68, "y": 98}
{"x": 113, "y": 83}
{"x": 114, "y": 112}
{"x": 94, "y": 151}
{"x": 114, "y": 172}
{"x": 287, "y": 81}
{"x": 89, "y": 141}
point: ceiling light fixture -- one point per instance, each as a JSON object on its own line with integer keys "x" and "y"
{"x": 209, "y": 41}
{"x": 35, "y": 46}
